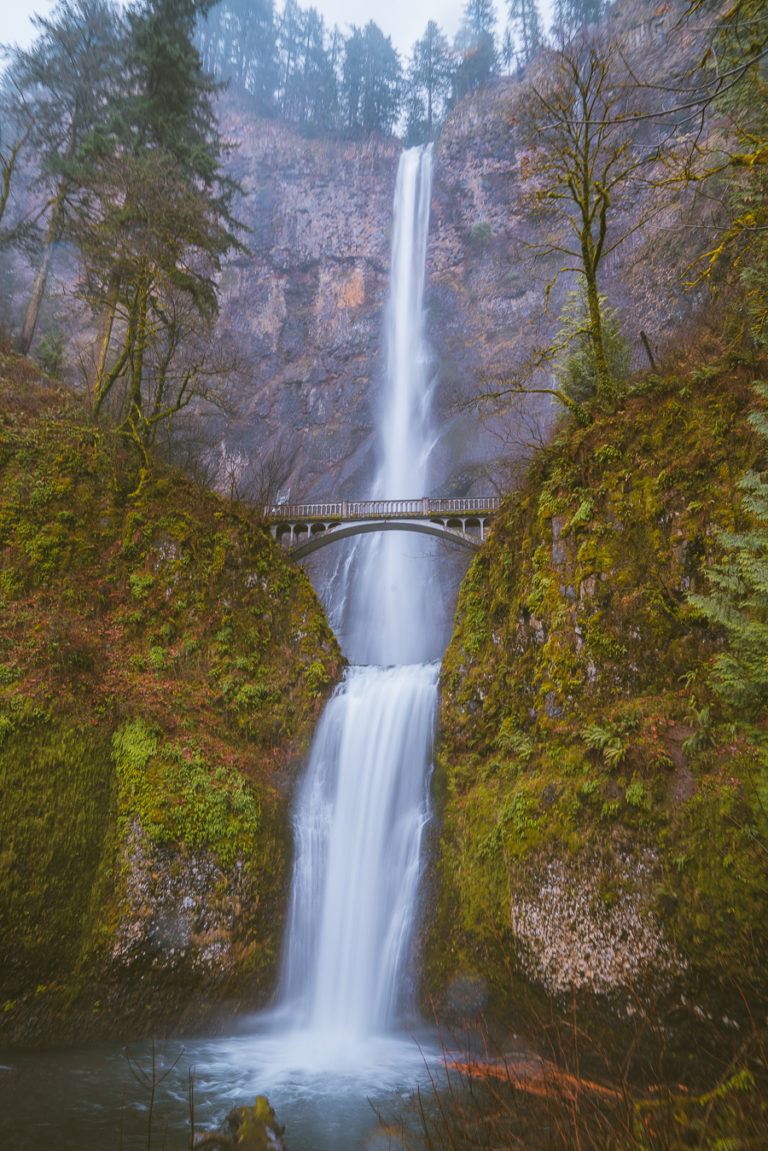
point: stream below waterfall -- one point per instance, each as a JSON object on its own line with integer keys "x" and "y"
{"x": 343, "y": 1038}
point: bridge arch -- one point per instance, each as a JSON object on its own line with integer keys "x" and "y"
{"x": 313, "y": 541}
{"x": 305, "y": 528}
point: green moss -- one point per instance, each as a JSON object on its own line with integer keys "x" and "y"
{"x": 567, "y": 724}
{"x": 161, "y": 664}
{"x": 57, "y": 787}
{"x": 179, "y": 798}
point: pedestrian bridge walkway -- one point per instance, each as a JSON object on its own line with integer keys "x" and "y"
{"x": 304, "y": 528}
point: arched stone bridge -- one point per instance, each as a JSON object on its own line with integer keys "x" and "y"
{"x": 304, "y": 528}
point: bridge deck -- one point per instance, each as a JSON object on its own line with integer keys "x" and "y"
{"x": 350, "y": 510}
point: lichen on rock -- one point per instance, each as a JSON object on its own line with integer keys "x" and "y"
{"x": 572, "y": 938}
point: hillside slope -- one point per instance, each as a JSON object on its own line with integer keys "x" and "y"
{"x": 604, "y": 827}
{"x": 161, "y": 665}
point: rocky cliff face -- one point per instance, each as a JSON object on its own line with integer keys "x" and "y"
{"x": 303, "y": 309}
{"x": 305, "y": 305}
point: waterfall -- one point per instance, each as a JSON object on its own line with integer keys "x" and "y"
{"x": 364, "y": 802}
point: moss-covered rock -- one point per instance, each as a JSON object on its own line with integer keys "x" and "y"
{"x": 161, "y": 667}
{"x": 604, "y": 828}
{"x": 250, "y": 1128}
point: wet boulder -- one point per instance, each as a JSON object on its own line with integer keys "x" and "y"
{"x": 247, "y": 1129}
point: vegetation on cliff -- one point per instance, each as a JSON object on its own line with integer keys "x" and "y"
{"x": 160, "y": 664}
{"x": 605, "y": 819}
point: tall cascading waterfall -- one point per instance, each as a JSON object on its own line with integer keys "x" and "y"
{"x": 364, "y": 803}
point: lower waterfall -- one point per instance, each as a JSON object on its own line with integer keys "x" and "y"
{"x": 358, "y": 829}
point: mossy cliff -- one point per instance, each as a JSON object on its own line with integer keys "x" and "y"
{"x": 604, "y": 827}
{"x": 161, "y": 666}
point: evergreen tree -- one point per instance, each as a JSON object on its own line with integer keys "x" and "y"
{"x": 290, "y": 41}
{"x": 238, "y": 44}
{"x": 154, "y": 220}
{"x": 738, "y": 601}
{"x": 428, "y": 84}
{"x": 570, "y": 16}
{"x": 15, "y": 130}
{"x": 372, "y": 79}
{"x": 65, "y": 79}
{"x": 574, "y": 367}
{"x": 508, "y": 54}
{"x": 321, "y": 96}
{"x": 476, "y": 47}
{"x": 309, "y": 93}
{"x": 525, "y": 28}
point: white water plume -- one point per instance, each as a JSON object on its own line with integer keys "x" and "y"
{"x": 364, "y": 803}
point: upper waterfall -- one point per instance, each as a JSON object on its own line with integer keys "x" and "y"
{"x": 391, "y": 613}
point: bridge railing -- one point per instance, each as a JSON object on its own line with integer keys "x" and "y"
{"x": 383, "y": 509}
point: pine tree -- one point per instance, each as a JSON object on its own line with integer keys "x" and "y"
{"x": 428, "y": 84}
{"x": 15, "y": 129}
{"x": 476, "y": 45}
{"x": 238, "y": 44}
{"x": 526, "y": 29}
{"x": 290, "y": 41}
{"x": 574, "y": 365}
{"x": 508, "y": 53}
{"x": 308, "y": 87}
{"x": 316, "y": 90}
{"x": 65, "y": 78}
{"x": 738, "y": 601}
{"x": 155, "y": 221}
{"x": 570, "y": 16}
{"x": 372, "y": 81}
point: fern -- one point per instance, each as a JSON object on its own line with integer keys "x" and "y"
{"x": 738, "y": 600}
{"x": 514, "y": 742}
{"x": 607, "y": 741}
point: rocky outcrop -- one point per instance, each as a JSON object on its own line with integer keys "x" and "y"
{"x": 304, "y": 306}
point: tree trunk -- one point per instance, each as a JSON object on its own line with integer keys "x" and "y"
{"x": 604, "y": 384}
{"x": 8, "y": 168}
{"x": 135, "y": 399}
{"x": 105, "y": 335}
{"x": 52, "y": 236}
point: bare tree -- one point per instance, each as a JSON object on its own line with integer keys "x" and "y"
{"x": 584, "y": 168}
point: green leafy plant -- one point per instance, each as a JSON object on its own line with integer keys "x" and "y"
{"x": 738, "y": 600}
{"x": 606, "y": 740}
{"x": 703, "y": 735}
{"x": 636, "y": 795}
{"x": 514, "y": 742}
{"x": 575, "y": 370}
